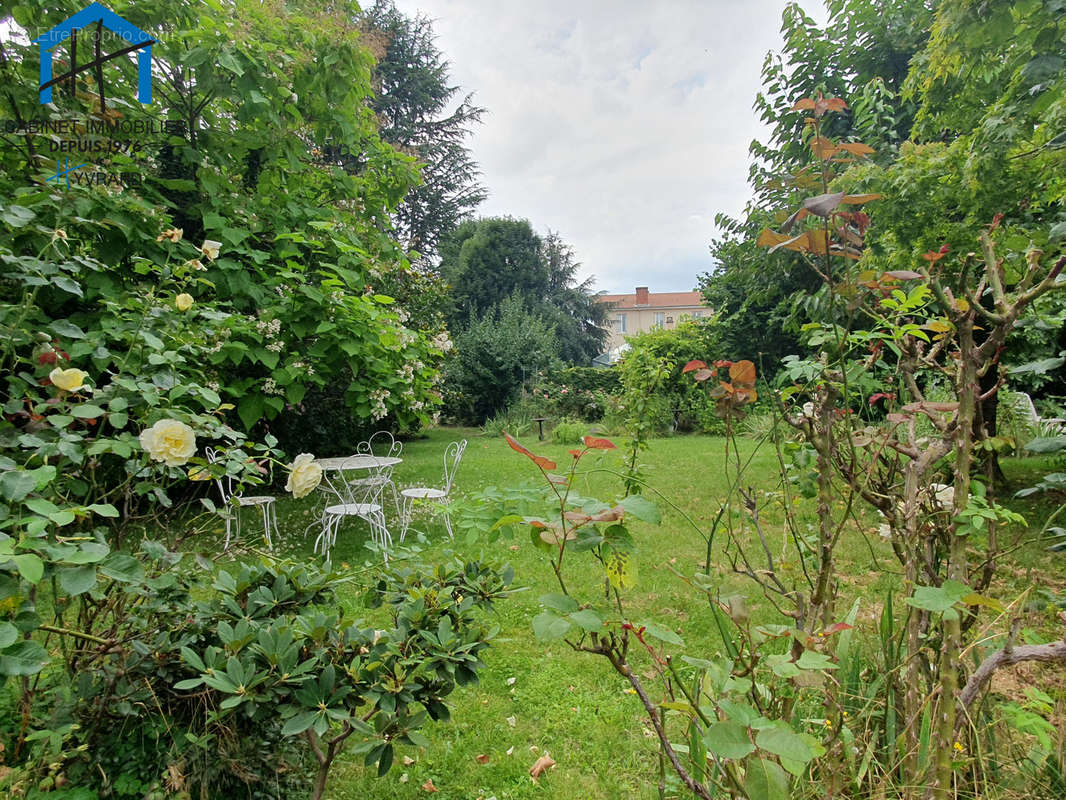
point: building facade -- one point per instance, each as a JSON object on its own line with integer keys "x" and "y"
{"x": 645, "y": 310}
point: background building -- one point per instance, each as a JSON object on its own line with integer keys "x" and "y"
{"x": 644, "y": 310}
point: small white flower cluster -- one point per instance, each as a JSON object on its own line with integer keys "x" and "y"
{"x": 417, "y": 405}
{"x": 403, "y": 315}
{"x": 441, "y": 342}
{"x": 406, "y": 372}
{"x": 377, "y": 402}
{"x": 270, "y": 386}
{"x": 213, "y": 386}
{"x": 268, "y": 328}
{"x": 216, "y": 346}
{"x": 276, "y": 346}
{"x": 337, "y": 296}
{"x": 303, "y": 367}
{"x": 283, "y": 291}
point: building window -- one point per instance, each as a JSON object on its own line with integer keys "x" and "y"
{"x": 660, "y": 319}
{"x": 620, "y": 323}
{"x": 697, "y": 314}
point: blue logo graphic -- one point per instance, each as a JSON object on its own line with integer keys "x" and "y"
{"x": 65, "y": 174}
{"x": 138, "y": 41}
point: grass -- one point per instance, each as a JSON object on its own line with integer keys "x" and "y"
{"x": 537, "y": 698}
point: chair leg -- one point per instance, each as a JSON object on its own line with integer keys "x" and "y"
{"x": 266, "y": 525}
{"x": 405, "y": 515}
{"x": 225, "y": 545}
{"x": 446, "y": 513}
{"x": 380, "y": 532}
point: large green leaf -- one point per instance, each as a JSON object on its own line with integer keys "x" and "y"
{"x": 642, "y": 508}
{"x": 765, "y": 780}
{"x": 548, "y": 626}
{"x": 77, "y": 580}
{"x": 8, "y": 634}
{"x": 26, "y": 657}
{"x": 938, "y": 598}
{"x": 781, "y": 741}
{"x": 560, "y": 602}
{"x": 728, "y": 740}
{"x": 661, "y": 633}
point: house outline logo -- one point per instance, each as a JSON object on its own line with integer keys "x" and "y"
{"x": 103, "y": 17}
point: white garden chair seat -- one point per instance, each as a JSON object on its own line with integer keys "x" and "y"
{"x": 421, "y": 493}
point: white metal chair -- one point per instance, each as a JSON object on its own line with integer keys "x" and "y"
{"x": 381, "y": 443}
{"x": 265, "y": 503}
{"x": 356, "y": 499}
{"x": 452, "y": 456}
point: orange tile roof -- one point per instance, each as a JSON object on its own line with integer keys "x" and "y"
{"x": 655, "y": 300}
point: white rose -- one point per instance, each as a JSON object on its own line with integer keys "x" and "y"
{"x": 304, "y": 476}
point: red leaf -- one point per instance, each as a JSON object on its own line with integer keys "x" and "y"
{"x": 743, "y": 373}
{"x": 881, "y": 395}
{"x": 691, "y": 365}
{"x": 575, "y": 453}
{"x": 542, "y": 462}
{"x": 704, "y": 374}
{"x": 48, "y": 357}
{"x": 721, "y": 364}
{"x": 836, "y": 628}
{"x": 596, "y": 443}
{"x": 996, "y": 219}
{"x": 804, "y": 104}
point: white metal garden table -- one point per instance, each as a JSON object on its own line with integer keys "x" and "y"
{"x": 367, "y": 506}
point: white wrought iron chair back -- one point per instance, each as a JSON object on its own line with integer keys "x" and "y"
{"x": 453, "y": 454}
{"x": 381, "y": 443}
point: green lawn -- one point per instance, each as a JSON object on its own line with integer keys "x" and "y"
{"x": 536, "y": 697}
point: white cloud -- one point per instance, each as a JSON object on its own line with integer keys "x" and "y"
{"x": 623, "y": 125}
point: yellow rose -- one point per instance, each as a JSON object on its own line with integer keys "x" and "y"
{"x": 169, "y": 441}
{"x": 183, "y": 302}
{"x": 210, "y": 248}
{"x": 304, "y": 475}
{"x": 68, "y": 379}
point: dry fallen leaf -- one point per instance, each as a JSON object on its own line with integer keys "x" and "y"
{"x": 429, "y": 787}
{"x": 511, "y": 681}
{"x": 404, "y": 778}
{"x": 510, "y": 750}
{"x": 542, "y": 765}
{"x": 482, "y": 759}
{"x": 512, "y": 721}
{"x": 408, "y": 761}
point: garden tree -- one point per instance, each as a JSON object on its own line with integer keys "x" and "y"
{"x": 271, "y": 104}
{"x": 417, "y": 113}
{"x": 580, "y": 321}
{"x": 861, "y": 54}
{"x": 495, "y": 356}
{"x": 487, "y": 260}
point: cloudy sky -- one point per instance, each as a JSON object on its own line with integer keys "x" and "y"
{"x": 623, "y": 125}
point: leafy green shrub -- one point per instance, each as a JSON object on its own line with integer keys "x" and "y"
{"x": 494, "y": 358}
{"x": 569, "y": 431}
{"x": 248, "y": 679}
{"x": 675, "y": 403}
